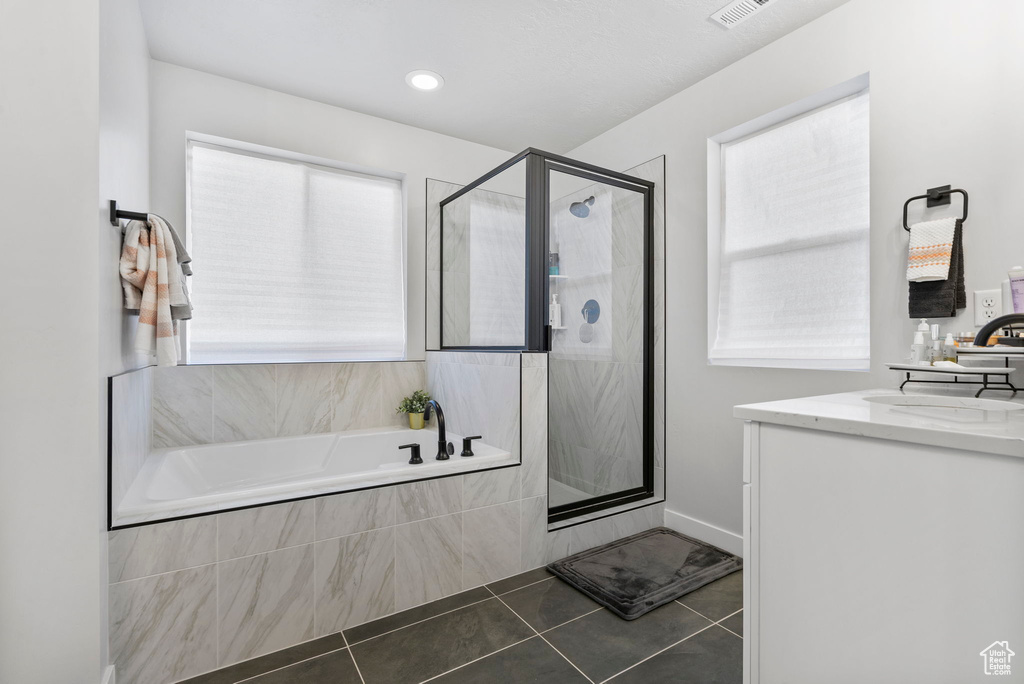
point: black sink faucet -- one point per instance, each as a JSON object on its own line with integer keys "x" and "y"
{"x": 444, "y": 447}
{"x": 981, "y": 339}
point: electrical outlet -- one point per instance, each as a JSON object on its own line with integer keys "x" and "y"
{"x": 988, "y": 304}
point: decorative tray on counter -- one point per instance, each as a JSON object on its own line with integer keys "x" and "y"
{"x": 977, "y": 370}
{"x": 989, "y": 378}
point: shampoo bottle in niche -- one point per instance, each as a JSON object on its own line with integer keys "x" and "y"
{"x": 555, "y": 313}
{"x": 553, "y": 261}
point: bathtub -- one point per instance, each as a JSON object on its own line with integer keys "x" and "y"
{"x": 205, "y": 478}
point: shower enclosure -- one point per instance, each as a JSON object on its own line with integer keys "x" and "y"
{"x": 549, "y": 254}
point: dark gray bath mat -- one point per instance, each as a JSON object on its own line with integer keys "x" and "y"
{"x": 635, "y": 575}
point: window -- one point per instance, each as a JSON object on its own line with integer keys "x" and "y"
{"x": 295, "y": 259}
{"x": 788, "y": 229}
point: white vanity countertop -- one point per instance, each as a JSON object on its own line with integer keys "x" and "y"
{"x": 995, "y": 432}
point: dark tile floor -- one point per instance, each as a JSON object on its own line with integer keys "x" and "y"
{"x": 527, "y": 628}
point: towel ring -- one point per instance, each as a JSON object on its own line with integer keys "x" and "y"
{"x": 936, "y": 197}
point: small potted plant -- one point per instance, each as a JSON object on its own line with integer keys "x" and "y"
{"x": 414, "y": 405}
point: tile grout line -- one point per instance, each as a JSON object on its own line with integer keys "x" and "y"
{"x": 573, "y": 620}
{"x": 390, "y": 631}
{"x": 284, "y": 667}
{"x": 719, "y": 623}
{"x": 728, "y": 630}
{"x": 735, "y": 612}
{"x": 352, "y": 655}
{"x": 546, "y": 579}
{"x": 693, "y": 611}
{"x": 483, "y": 586}
{"x": 505, "y": 648}
{"x": 542, "y": 637}
{"x": 703, "y": 629}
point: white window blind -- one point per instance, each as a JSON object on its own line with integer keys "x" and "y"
{"x": 794, "y": 273}
{"x": 293, "y": 261}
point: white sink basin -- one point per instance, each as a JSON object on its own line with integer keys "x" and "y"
{"x": 931, "y": 401}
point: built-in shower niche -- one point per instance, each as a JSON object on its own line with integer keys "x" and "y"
{"x": 549, "y": 254}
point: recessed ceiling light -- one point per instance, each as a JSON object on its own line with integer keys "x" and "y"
{"x": 421, "y": 79}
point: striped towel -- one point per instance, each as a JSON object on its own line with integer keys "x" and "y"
{"x": 931, "y": 249}
{"x": 153, "y": 287}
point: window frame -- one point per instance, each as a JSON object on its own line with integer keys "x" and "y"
{"x": 278, "y": 154}
{"x": 716, "y": 211}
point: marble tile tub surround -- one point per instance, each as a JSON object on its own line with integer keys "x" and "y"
{"x": 227, "y": 403}
{"x": 304, "y": 569}
{"x": 189, "y": 596}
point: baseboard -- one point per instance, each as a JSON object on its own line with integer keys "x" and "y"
{"x": 698, "y": 529}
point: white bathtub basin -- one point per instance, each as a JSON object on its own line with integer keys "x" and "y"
{"x": 195, "y": 479}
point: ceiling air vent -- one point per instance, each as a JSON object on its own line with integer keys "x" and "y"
{"x": 738, "y": 11}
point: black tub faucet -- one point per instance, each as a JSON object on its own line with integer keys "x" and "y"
{"x": 444, "y": 447}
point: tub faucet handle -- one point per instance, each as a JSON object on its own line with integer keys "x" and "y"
{"x": 467, "y": 445}
{"x": 415, "y": 453}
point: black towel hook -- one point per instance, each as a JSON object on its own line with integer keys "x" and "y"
{"x": 116, "y": 214}
{"x": 936, "y": 197}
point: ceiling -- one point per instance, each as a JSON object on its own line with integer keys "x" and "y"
{"x": 550, "y": 74}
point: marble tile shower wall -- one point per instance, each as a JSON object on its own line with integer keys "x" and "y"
{"x": 484, "y": 262}
{"x": 436, "y": 191}
{"x": 207, "y": 404}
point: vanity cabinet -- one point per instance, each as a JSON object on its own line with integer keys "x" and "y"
{"x": 873, "y": 560}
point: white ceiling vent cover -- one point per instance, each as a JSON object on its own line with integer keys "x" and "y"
{"x": 738, "y": 11}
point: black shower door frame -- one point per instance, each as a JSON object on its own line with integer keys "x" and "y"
{"x": 537, "y": 337}
{"x": 646, "y": 188}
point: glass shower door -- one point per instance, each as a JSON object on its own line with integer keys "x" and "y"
{"x": 599, "y": 423}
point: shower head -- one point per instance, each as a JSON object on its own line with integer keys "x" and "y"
{"x": 581, "y": 209}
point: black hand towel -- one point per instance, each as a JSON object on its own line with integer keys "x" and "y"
{"x": 942, "y": 298}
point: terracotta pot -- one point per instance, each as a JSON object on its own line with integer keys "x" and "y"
{"x": 416, "y": 421}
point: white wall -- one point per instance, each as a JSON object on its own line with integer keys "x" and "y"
{"x": 52, "y": 483}
{"x": 124, "y": 164}
{"x": 946, "y": 102}
{"x": 187, "y": 100}
{"x": 123, "y": 176}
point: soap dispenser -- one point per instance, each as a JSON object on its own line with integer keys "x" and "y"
{"x": 555, "y": 312}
